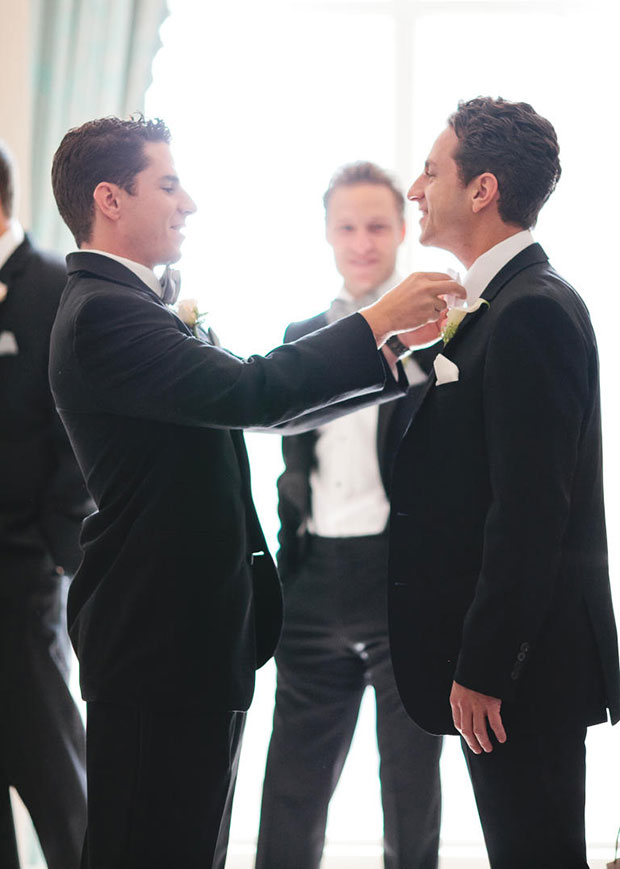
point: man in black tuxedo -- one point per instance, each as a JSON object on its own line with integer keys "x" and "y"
{"x": 334, "y": 509}
{"x": 42, "y": 503}
{"x": 501, "y": 618}
{"x": 176, "y": 600}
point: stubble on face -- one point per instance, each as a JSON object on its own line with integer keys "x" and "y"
{"x": 442, "y": 197}
{"x": 155, "y": 210}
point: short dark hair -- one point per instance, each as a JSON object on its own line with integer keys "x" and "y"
{"x": 363, "y": 172}
{"x": 515, "y": 144}
{"x": 7, "y": 181}
{"x": 106, "y": 149}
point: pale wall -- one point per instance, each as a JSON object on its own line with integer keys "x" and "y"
{"x": 15, "y": 118}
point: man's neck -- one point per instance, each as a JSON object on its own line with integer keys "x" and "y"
{"x": 482, "y": 241}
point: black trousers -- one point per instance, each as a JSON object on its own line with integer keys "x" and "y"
{"x": 42, "y": 751}
{"x": 530, "y": 794}
{"x": 160, "y": 786}
{"x": 334, "y": 644}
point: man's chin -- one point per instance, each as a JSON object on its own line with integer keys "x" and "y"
{"x": 172, "y": 257}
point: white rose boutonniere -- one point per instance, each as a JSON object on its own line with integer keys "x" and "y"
{"x": 187, "y": 311}
{"x": 456, "y": 316}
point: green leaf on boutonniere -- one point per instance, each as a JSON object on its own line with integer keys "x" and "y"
{"x": 456, "y": 317}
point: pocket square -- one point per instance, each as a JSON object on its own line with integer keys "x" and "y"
{"x": 8, "y": 344}
{"x": 445, "y": 369}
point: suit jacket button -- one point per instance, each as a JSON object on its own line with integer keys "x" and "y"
{"x": 521, "y": 656}
{"x": 525, "y": 647}
{"x": 515, "y": 674}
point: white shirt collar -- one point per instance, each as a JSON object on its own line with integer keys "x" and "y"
{"x": 10, "y": 240}
{"x": 488, "y": 264}
{"x": 145, "y": 274}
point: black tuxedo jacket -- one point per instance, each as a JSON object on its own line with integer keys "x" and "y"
{"x": 294, "y": 496}
{"x": 498, "y": 556}
{"x": 162, "y": 606}
{"x": 42, "y": 494}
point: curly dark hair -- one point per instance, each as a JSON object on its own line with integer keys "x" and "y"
{"x": 515, "y": 144}
{"x": 7, "y": 181}
{"x": 106, "y": 149}
{"x": 363, "y": 172}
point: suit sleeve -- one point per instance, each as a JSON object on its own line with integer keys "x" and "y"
{"x": 137, "y": 362}
{"x": 536, "y": 394}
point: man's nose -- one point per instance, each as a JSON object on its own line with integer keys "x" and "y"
{"x": 416, "y": 191}
{"x": 363, "y": 240}
{"x": 187, "y": 204}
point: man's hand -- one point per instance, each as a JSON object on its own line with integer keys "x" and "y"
{"x": 470, "y": 711}
{"x": 413, "y": 303}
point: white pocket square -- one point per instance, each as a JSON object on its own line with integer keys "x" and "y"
{"x": 8, "y": 344}
{"x": 445, "y": 369}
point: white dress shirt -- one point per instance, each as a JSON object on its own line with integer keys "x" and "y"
{"x": 347, "y": 494}
{"x": 483, "y": 270}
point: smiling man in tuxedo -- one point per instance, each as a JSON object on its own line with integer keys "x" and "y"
{"x": 334, "y": 509}
{"x": 176, "y": 600}
{"x": 501, "y": 619}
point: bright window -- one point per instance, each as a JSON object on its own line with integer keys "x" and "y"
{"x": 265, "y": 100}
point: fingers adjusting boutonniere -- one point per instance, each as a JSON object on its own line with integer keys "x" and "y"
{"x": 455, "y": 318}
{"x": 187, "y": 311}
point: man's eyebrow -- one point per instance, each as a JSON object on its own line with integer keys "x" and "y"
{"x": 173, "y": 179}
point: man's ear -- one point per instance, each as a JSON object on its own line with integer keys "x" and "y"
{"x": 107, "y": 199}
{"x": 484, "y": 191}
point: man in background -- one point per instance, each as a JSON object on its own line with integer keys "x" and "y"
{"x": 42, "y": 503}
{"x": 501, "y": 622}
{"x": 334, "y": 509}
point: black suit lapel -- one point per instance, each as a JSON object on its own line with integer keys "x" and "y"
{"x": 14, "y": 264}
{"x": 532, "y": 255}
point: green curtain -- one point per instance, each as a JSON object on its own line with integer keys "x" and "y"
{"x": 91, "y": 58}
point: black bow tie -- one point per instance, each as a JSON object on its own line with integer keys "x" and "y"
{"x": 171, "y": 285}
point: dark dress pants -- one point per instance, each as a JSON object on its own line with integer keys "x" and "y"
{"x": 42, "y": 753}
{"x": 530, "y": 794}
{"x": 160, "y": 786}
{"x": 334, "y": 644}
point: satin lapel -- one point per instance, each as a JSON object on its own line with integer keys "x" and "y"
{"x": 408, "y": 407}
{"x": 15, "y": 262}
{"x": 532, "y": 255}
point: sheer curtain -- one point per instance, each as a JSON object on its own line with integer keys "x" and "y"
{"x": 90, "y": 58}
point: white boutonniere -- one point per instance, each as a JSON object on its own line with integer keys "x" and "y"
{"x": 456, "y": 316}
{"x": 187, "y": 311}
